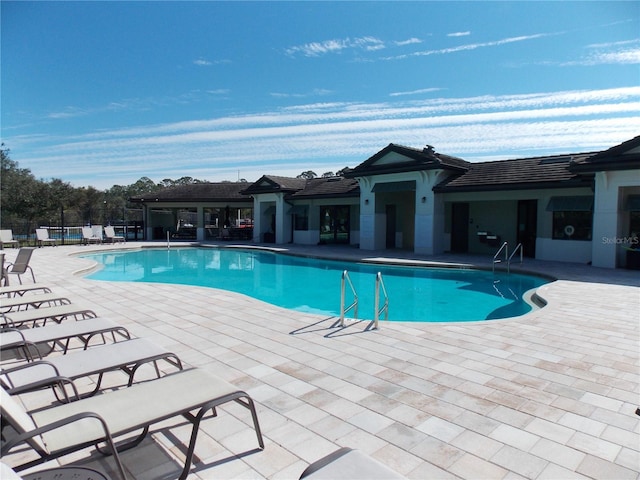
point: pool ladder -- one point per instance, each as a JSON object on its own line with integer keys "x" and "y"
{"x": 507, "y": 257}
{"x": 378, "y": 310}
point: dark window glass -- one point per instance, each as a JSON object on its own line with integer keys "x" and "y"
{"x": 572, "y": 225}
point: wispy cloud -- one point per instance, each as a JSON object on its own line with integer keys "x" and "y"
{"x": 471, "y": 46}
{"x": 408, "y": 41}
{"x": 201, "y": 62}
{"x": 329, "y": 136}
{"x": 635, "y": 41}
{"x": 415, "y": 92}
{"x": 459, "y": 34}
{"x": 136, "y": 104}
{"x": 316, "y": 49}
{"x": 314, "y": 93}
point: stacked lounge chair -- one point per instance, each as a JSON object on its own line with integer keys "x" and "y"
{"x": 47, "y": 356}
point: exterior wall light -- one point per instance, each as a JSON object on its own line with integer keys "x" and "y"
{"x": 424, "y": 199}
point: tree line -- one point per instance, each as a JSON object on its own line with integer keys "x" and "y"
{"x": 27, "y": 203}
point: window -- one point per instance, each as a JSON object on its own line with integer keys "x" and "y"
{"x": 334, "y": 224}
{"x": 301, "y": 222}
{"x": 300, "y": 217}
{"x": 572, "y": 225}
{"x": 572, "y": 217}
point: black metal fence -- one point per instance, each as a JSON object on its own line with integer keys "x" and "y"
{"x": 25, "y": 232}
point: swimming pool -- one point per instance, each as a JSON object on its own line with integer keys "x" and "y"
{"x": 313, "y": 285}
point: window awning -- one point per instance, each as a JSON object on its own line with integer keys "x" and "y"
{"x": 298, "y": 210}
{"x": 408, "y": 185}
{"x": 633, "y": 203}
{"x": 570, "y": 204}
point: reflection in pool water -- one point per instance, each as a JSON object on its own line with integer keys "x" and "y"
{"x": 313, "y": 285}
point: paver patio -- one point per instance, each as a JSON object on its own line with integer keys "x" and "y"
{"x": 549, "y": 395}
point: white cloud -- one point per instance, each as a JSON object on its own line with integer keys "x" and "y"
{"x": 620, "y": 57}
{"x": 470, "y": 46}
{"x": 314, "y": 93}
{"x": 329, "y": 136}
{"x": 202, "y": 62}
{"x": 415, "y": 92}
{"x": 459, "y": 34}
{"x": 408, "y": 41}
{"x": 315, "y": 49}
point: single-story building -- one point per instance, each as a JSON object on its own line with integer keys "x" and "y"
{"x": 582, "y": 207}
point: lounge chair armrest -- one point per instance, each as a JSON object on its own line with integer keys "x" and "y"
{"x": 48, "y": 382}
{"x": 36, "y": 364}
{"x": 11, "y": 329}
{"x": 23, "y": 437}
{"x": 26, "y": 347}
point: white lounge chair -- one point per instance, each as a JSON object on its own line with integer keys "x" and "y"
{"x": 40, "y": 316}
{"x": 42, "y": 237}
{"x": 89, "y": 235}
{"x": 20, "y": 290}
{"x": 28, "y": 340}
{"x": 20, "y": 266}
{"x": 27, "y": 302}
{"x": 63, "y": 429}
{"x": 6, "y": 238}
{"x": 110, "y": 235}
{"x": 127, "y": 357}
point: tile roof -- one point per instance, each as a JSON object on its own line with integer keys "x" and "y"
{"x": 195, "y": 192}
{"x": 329, "y": 187}
{"x": 515, "y": 174}
{"x": 625, "y": 156}
{"x": 273, "y": 183}
{"x": 417, "y": 159}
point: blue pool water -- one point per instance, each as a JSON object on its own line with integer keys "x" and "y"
{"x": 313, "y": 285}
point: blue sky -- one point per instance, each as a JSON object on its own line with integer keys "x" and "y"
{"x": 103, "y": 93}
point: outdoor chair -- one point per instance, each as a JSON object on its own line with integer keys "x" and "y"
{"x": 90, "y": 235}
{"x": 58, "y": 371}
{"x": 20, "y": 290}
{"x": 6, "y": 238}
{"x": 20, "y": 266}
{"x": 30, "y": 341}
{"x": 40, "y": 316}
{"x": 34, "y": 301}
{"x": 42, "y": 237}
{"x": 110, "y": 234}
{"x": 63, "y": 429}
{"x": 348, "y": 464}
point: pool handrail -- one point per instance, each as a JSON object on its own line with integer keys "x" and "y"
{"x": 505, "y": 247}
{"x": 354, "y": 305}
{"x": 515, "y": 250}
{"x": 385, "y": 307}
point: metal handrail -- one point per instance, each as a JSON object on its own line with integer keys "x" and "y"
{"x": 504, "y": 247}
{"x": 385, "y": 307}
{"x": 515, "y": 250}
{"x": 354, "y": 305}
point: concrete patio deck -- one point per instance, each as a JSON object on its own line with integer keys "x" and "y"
{"x": 549, "y": 395}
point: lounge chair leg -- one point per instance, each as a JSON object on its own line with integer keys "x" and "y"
{"x": 256, "y": 425}
{"x": 123, "y": 446}
{"x": 195, "y": 420}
